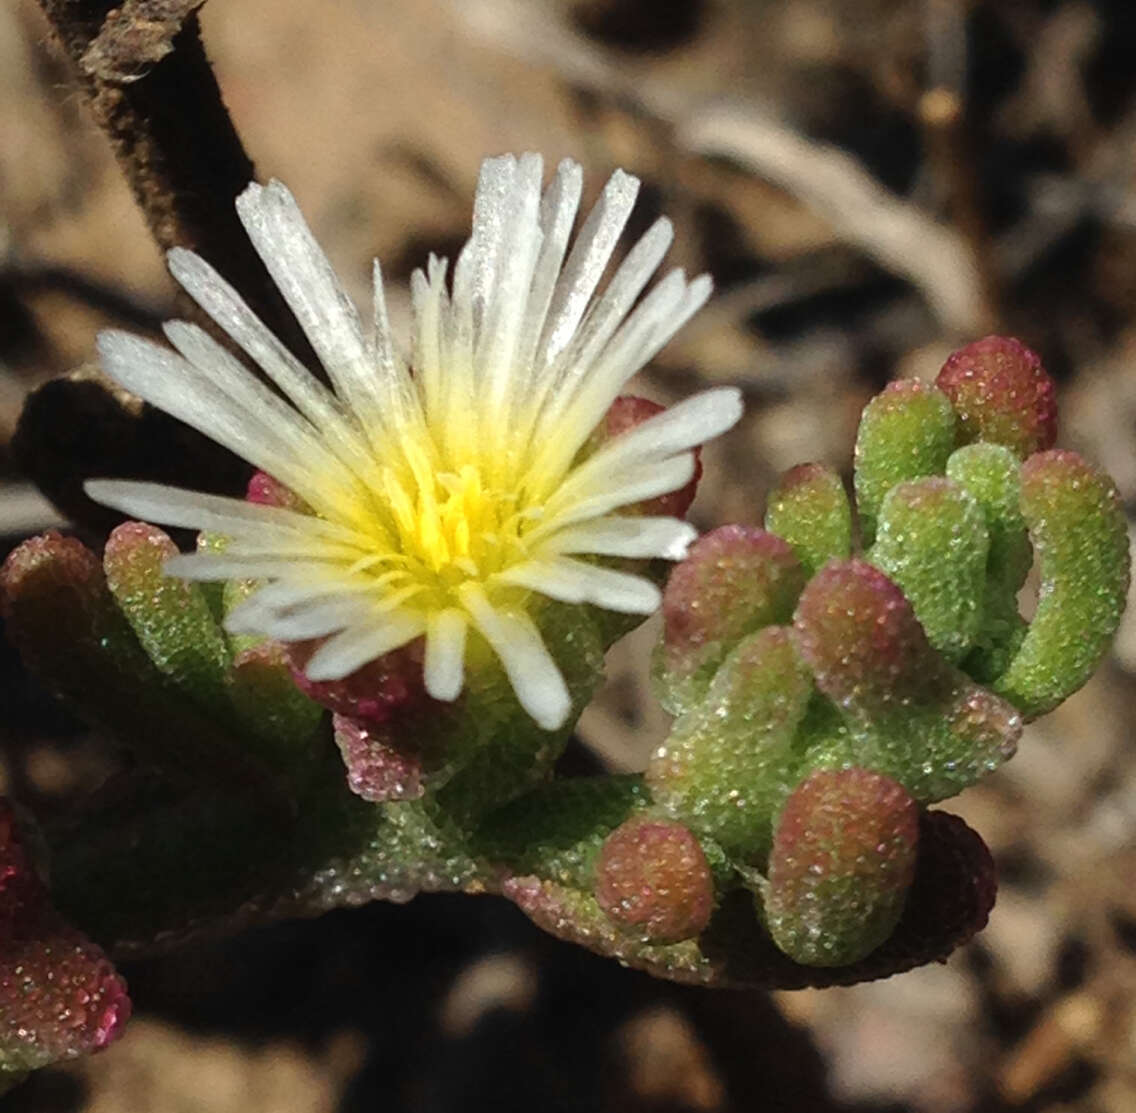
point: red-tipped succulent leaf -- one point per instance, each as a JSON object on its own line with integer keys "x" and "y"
{"x": 60, "y": 997}
{"x": 735, "y": 580}
{"x": 652, "y": 878}
{"x": 1002, "y": 395}
{"x": 843, "y": 859}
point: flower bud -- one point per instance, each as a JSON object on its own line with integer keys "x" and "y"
{"x": 266, "y": 491}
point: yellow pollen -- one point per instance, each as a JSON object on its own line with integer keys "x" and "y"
{"x": 444, "y": 528}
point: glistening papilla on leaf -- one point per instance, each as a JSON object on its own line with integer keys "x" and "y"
{"x": 439, "y": 550}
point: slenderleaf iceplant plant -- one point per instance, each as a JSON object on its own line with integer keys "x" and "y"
{"x": 438, "y": 548}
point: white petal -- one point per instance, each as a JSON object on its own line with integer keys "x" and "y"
{"x": 301, "y": 589}
{"x": 444, "y": 666}
{"x": 586, "y": 263}
{"x": 460, "y": 333}
{"x": 175, "y": 506}
{"x": 168, "y": 381}
{"x": 289, "y": 597}
{"x": 688, "y": 423}
{"x": 210, "y": 567}
{"x": 638, "y": 342}
{"x": 344, "y": 653}
{"x": 297, "y": 547}
{"x": 505, "y": 308}
{"x": 638, "y": 538}
{"x": 557, "y": 214}
{"x": 428, "y": 301}
{"x": 491, "y": 203}
{"x": 304, "y": 276}
{"x": 386, "y": 351}
{"x": 205, "y": 400}
{"x": 612, "y": 307}
{"x": 573, "y": 581}
{"x": 403, "y": 400}
{"x": 317, "y": 617}
{"x": 561, "y": 442}
{"x": 307, "y": 393}
{"x": 313, "y": 621}
{"x": 655, "y": 320}
{"x": 532, "y": 672}
{"x": 636, "y": 485}
{"x": 230, "y": 376}
{"x": 697, "y": 294}
{"x": 299, "y": 458}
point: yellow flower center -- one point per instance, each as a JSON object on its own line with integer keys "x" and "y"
{"x": 438, "y": 529}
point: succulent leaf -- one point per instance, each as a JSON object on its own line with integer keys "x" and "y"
{"x": 381, "y": 765}
{"x": 1002, "y": 395}
{"x": 269, "y": 705}
{"x": 949, "y": 900}
{"x": 911, "y": 715}
{"x": 69, "y": 630}
{"x": 906, "y": 432}
{"x": 809, "y": 508}
{"x": 731, "y": 760}
{"x": 990, "y": 473}
{"x": 171, "y": 618}
{"x": 653, "y": 880}
{"x": 843, "y": 859}
{"x": 60, "y": 997}
{"x": 735, "y": 580}
{"x": 1077, "y": 526}
{"x": 933, "y": 543}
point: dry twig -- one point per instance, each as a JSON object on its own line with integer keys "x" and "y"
{"x": 152, "y": 91}
{"x": 829, "y": 181}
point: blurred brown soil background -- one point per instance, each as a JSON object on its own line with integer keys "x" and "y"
{"x": 871, "y": 183}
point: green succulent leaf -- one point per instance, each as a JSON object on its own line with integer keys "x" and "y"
{"x": 908, "y": 712}
{"x": 906, "y": 432}
{"x": 734, "y": 580}
{"x": 810, "y": 510}
{"x": 1077, "y": 526}
{"x": 732, "y": 759}
{"x": 933, "y": 543}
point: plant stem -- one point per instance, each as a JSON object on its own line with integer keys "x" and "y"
{"x": 151, "y": 89}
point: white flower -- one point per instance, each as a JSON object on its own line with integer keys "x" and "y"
{"x": 444, "y": 493}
